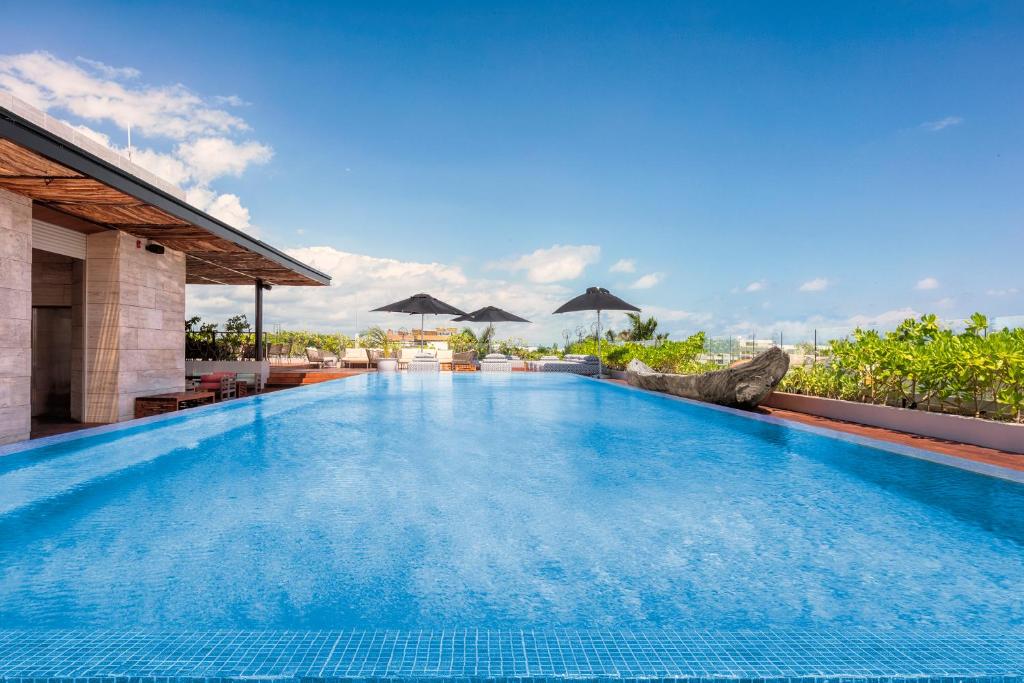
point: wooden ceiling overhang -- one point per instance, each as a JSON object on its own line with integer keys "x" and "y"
{"x": 61, "y": 176}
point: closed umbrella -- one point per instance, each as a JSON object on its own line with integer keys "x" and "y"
{"x": 596, "y": 299}
{"x": 490, "y": 314}
{"x": 422, "y": 304}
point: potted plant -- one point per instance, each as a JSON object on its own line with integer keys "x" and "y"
{"x": 378, "y": 338}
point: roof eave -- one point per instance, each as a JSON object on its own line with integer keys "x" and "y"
{"x": 43, "y": 142}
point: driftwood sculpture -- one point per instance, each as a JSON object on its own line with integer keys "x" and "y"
{"x": 744, "y": 385}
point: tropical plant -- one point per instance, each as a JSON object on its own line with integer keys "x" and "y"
{"x": 920, "y": 364}
{"x": 668, "y": 356}
{"x": 376, "y": 338}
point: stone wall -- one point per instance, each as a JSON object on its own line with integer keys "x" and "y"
{"x": 135, "y": 312}
{"x": 15, "y": 316}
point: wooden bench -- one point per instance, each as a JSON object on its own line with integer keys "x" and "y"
{"x": 169, "y": 403}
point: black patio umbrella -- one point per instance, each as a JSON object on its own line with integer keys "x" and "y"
{"x": 596, "y": 299}
{"x": 490, "y": 314}
{"x": 422, "y": 304}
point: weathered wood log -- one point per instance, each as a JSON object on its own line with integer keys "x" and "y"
{"x": 744, "y": 385}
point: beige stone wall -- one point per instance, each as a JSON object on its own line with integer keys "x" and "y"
{"x": 15, "y": 316}
{"x": 135, "y": 312}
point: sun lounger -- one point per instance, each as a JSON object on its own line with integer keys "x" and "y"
{"x": 495, "y": 362}
{"x": 424, "y": 362}
{"x": 576, "y": 364}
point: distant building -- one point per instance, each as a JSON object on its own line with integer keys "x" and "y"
{"x": 437, "y": 337}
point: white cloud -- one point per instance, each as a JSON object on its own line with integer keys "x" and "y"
{"x": 226, "y": 207}
{"x": 361, "y": 282}
{"x": 756, "y": 286}
{"x": 927, "y": 283}
{"x": 124, "y": 72}
{"x": 818, "y": 284}
{"x": 200, "y": 129}
{"x": 97, "y": 92}
{"x": 945, "y": 302}
{"x": 1009, "y": 291}
{"x": 941, "y": 124}
{"x": 647, "y": 281}
{"x": 554, "y": 264}
{"x": 623, "y": 265}
{"x": 213, "y": 157}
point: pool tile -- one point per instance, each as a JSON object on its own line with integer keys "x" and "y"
{"x": 479, "y": 654}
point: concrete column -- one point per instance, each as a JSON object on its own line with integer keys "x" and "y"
{"x": 259, "y": 320}
{"x": 15, "y": 317}
{"x": 135, "y": 337}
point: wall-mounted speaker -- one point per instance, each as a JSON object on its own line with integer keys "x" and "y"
{"x": 155, "y": 248}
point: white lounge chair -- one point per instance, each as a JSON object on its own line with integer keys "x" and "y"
{"x": 354, "y": 357}
{"x": 445, "y": 357}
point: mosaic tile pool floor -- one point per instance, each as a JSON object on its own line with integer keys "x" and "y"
{"x": 470, "y": 654}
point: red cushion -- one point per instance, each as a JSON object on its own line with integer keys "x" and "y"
{"x": 215, "y": 376}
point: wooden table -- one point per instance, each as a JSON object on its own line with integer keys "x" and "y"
{"x": 169, "y": 403}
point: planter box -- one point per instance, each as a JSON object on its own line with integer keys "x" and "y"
{"x": 387, "y": 365}
{"x": 1004, "y": 436}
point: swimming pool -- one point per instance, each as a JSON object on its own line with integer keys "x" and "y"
{"x": 515, "y": 503}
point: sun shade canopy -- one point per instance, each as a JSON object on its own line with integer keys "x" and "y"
{"x": 421, "y": 304}
{"x": 596, "y": 299}
{"x": 490, "y": 314}
{"x": 94, "y": 187}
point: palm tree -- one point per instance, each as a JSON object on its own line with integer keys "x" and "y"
{"x": 483, "y": 340}
{"x": 642, "y": 330}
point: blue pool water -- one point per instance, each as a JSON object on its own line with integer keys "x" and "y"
{"x": 527, "y": 501}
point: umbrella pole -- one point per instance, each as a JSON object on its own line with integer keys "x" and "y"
{"x": 600, "y": 369}
{"x": 421, "y": 331}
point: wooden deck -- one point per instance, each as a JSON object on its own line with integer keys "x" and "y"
{"x": 286, "y": 376}
{"x": 990, "y": 456}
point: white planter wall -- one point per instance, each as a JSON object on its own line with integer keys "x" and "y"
{"x": 202, "y": 367}
{"x": 1001, "y": 435}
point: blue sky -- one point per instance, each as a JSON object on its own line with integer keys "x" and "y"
{"x": 749, "y": 166}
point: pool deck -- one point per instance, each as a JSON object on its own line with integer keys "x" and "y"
{"x": 990, "y": 456}
{"x": 968, "y": 452}
{"x": 856, "y": 656}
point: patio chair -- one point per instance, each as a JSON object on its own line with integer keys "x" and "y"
{"x": 406, "y": 355}
{"x": 356, "y": 357}
{"x": 445, "y": 358}
{"x": 247, "y": 383}
{"x": 276, "y": 351}
{"x": 223, "y": 384}
{"x": 319, "y": 358}
{"x": 465, "y": 360}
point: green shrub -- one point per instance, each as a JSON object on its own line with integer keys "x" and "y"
{"x": 666, "y": 356}
{"x": 977, "y": 372}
